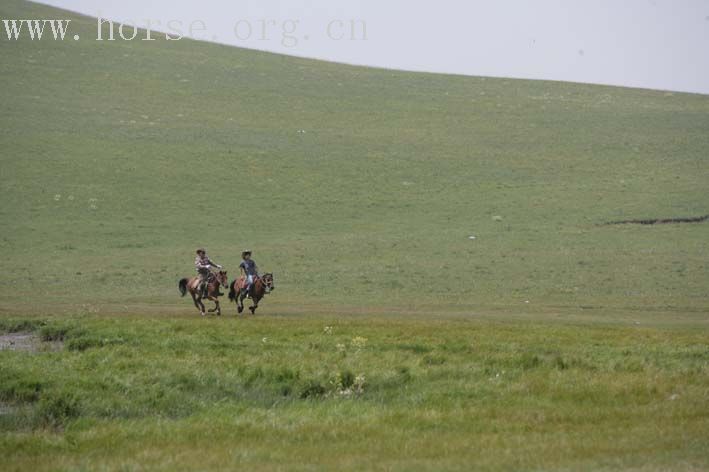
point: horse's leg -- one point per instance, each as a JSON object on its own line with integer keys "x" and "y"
{"x": 240, "y": 302}
{"x": 194, "y": 299}
{"x": 254, "y": 305}
{"x": 198, "y": 303}
{"x": 216, "y": 308}
{"x": 216, "y": 303}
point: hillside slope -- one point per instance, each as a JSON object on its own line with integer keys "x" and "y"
{"x": 357, "y": 186}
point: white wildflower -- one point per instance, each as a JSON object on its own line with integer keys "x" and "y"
{"x": 359, "y": 383}
{"x": 359, "y": 342}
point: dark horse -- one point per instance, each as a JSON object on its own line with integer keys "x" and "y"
{"x": 261, "y": 286}
{"x": 215, "y": 280}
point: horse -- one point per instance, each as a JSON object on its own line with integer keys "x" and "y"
{"x": 262, "y": 285}
{"x": 213, "y": 283}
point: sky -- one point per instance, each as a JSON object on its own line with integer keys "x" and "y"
{"x": 658, "y": 44}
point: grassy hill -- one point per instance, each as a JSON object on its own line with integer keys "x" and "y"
{"x": 550, "y": 341}
{"x": 357, "y": 186}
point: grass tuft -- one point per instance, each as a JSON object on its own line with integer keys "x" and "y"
{"x": 56, "y": 410}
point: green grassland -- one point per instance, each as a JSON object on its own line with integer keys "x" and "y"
{"x": 185, "y": 143}
{"x": 549, "y": 342}
{"x": 365, "y": 393}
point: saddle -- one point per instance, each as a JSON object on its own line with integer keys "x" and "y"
{"x": 241, "y": 283}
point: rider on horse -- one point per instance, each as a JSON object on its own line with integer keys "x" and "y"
{"x": 249, "y": 270}
{"x": 203, "y": 265}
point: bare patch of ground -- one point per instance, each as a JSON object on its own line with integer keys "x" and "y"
{"x": 28, "y": 342}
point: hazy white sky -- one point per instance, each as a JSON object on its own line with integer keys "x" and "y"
{"x": 661, "y": 44}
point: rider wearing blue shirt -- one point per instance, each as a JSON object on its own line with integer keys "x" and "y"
{"x": 249, "y": 269}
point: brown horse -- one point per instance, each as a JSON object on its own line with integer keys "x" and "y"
{"x": 214, "y": 282}
{"x": 262, "y": 285}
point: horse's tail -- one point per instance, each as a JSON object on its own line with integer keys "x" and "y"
{"x": 183, "y": 286}
{"x": 232, "y": 291}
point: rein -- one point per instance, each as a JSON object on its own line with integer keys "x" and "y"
{"x": 212, "y": 278}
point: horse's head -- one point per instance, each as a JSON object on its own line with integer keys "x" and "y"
{"x": 223, "y": 279}
{"x": 268, "y": 283}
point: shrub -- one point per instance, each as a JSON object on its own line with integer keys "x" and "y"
{"x": 53, "y": 333}
{"x": 312, "y": 388}
{"x": 346, "y": 379}
{"x": 345, "y": 383}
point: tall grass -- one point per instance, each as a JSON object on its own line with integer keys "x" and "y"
{"x": 265, "y": 392}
